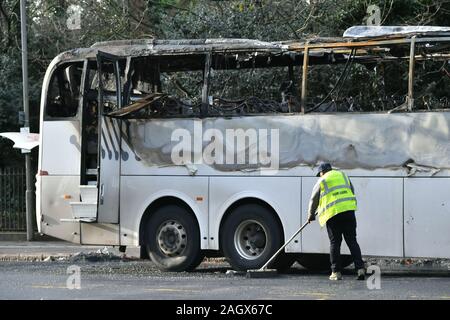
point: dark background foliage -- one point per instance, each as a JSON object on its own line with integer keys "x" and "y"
{"x": 170, "y": 19}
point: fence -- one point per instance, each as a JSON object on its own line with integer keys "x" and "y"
{"x": 12, "y": 199}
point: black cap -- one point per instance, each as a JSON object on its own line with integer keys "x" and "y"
{"x": 324, "y": 166}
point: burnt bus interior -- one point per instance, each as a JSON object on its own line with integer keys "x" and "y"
{"x": 362, "y": 79}
{"x": 336, "y": 75}
{"x": 341, "y": 79}
{"x": 184, "y": 86}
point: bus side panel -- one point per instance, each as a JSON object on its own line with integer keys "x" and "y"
{"x": 138, "y": 192}
{"x": 61, "y": 149}
{"x": 56, "y": 205}
{"x": 427, "y": 217}
{"x": 282, "y": 193}
{"x": 60, "y": 154}
{"x": 100, "y": 234}
{"x": 379, "y": 218}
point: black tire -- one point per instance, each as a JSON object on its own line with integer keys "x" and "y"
{"x": 178, "y": 227}
{"x": 320, "y": 261}
{"x": 268, "y": 237}
{"x": 143, "y": 253}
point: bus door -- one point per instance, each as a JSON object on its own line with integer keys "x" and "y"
{"x": 111, "y": 75}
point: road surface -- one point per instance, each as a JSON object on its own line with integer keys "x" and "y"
{"x": 141, "y": 280}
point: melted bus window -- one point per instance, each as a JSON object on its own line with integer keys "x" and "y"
{"x": 252, "y": 91}
{"x": 64, "y": 91}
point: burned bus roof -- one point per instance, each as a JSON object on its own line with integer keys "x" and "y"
{"x": 194, "y": 45}
{"x": 393, "y": 31}
{"x": 354, "y": 37}
{"x": 146, "y": 47}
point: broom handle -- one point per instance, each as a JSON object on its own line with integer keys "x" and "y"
{"x": 284, "y": 245}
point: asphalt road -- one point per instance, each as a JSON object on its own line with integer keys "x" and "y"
{"x": 141, "y": 280}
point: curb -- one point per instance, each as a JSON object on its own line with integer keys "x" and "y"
{"x": 47, "y": 257}
{"x": 33, "y": 257}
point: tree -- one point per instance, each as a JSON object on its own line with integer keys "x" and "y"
{"x": 103, "y": 20}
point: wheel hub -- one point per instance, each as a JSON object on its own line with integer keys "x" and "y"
{"x": 171, "y": 238}
{"x": 250, "y": 239}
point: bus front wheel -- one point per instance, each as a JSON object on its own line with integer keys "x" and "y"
{"x": 173, "y": 239}
{"x": 250, "y": 235}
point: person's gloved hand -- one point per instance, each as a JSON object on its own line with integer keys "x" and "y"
{"x": 311, "y": 217}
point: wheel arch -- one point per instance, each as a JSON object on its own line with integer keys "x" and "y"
{"x": 243, "y": 201}
{"x": 162, "y": 201}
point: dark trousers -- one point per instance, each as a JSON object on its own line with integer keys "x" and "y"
{"x": 343, "y": 224}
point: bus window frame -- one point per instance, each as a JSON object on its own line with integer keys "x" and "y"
{"x": 78, "y": 115}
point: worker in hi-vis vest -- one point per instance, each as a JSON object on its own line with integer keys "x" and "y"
{"x": 333, "y": 198}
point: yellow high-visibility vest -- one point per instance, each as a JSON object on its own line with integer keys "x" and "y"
{"x": 336, "y": 196}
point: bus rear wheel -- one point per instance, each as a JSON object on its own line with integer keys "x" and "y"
{"x": 172, "y": 239}
{"x": 250, "y": 235}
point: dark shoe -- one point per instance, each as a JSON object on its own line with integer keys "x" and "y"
{"x": 361, "y": 274}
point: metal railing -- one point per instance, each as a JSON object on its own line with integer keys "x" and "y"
{"x": 12, "y": 199}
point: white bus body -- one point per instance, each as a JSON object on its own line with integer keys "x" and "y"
{"x": 398, "y": 163}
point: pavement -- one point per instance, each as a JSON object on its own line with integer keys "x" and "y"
{"x": 141, "y": 280}
{"x": 60, "y": 270}
{"x": 41, "y": 250}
